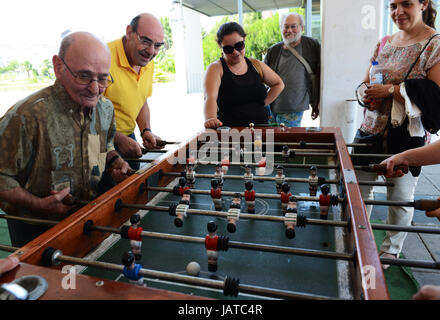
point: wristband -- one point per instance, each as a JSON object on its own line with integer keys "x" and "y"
{"x": 143, "y": 131}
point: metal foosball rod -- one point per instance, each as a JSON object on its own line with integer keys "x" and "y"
{"x": 230, "y": 286}
{"x": 296, "y": 154}
{"x": 344, "y": 224}
{"x": 232, "y": 244}
{"x": 424, "y": 205}
{"x": 301, "y": 144}
{"x": 307, "y": 221}
{"x": 263, "y": 178}
{"x": 223, "y": 214}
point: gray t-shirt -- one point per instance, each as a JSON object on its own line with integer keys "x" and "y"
{"x": 295, "y": 96}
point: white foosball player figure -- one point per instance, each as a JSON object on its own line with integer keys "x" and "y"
{"x": 285, "y": 153}
{"x": 225, "y": 163}
{"x": 313, "y": 181}
{"x": 279, "y": 178}
{"x": 218, "y": 175}
{"x": 290, "y": 218}
{"x": 248, "y": 175}
{"x": 190, "y": 175}
{"x": 234, "y": 212}
{"x": 182, "y": 208}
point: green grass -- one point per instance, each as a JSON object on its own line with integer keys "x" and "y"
{"x": 400, "y": 281}
{"x": 4, "y": 236}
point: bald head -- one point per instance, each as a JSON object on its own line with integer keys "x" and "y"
{"x": 82, "y": 55}
{"x": 145, "y": 19}
{"x": 143, "y": 39}
{"x": 82, "y": 40}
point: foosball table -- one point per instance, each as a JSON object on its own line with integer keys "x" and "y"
{"x": 236, "y": 213}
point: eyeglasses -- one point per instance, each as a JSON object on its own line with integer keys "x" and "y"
{"x": 238, "y": 46}
{"x": 147, "y": 42}
{"x": 86, "y": 79}
{"x": 291, "y": 26}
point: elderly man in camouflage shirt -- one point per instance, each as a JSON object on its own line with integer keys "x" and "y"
{"x": 59, "y": 140}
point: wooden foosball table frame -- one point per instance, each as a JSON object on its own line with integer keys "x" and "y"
{"x": 69, "y": 237}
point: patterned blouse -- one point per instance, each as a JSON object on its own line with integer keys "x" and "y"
{"x": 395, "y": 63}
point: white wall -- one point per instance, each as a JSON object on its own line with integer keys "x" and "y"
{"x": 350, "y": 32}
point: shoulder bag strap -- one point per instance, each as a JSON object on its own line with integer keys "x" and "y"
{"x": 418, "y": 57}
{"x": 257, "y": 66}
{"x": 300, "y": 58}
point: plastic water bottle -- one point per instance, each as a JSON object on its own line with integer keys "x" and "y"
{"x": 376, "y": 77}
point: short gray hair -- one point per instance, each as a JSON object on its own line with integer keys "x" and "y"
{"x": 296, "y": 14}
{"x": 66, "y": 42}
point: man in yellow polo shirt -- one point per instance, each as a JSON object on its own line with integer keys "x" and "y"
{"x": 132, "y": 68}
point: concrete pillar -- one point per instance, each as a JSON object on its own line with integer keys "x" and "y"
{"x": 350, "y": 32}
{"x": 188, "y": 48}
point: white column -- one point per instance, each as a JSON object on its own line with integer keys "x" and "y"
{"x": 350, "y": 32}
{"x": 188, "y": 49}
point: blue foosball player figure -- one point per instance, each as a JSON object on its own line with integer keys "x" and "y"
{"x": 131, "y": 269}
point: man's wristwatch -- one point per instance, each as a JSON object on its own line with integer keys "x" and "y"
{"x": 391, "y": 90}
{"x": 143, "y": 131}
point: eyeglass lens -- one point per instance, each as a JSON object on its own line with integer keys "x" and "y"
{"x": 238, "y": 46}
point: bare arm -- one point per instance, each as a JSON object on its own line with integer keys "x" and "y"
{"x": 273, "y": 81}
{"x": 423, "y": 156}
{"x": 20, "y": 197}
{"x": 211, "y": 86}
{"x": 143, "y": 121}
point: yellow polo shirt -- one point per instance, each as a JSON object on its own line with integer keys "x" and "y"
{"x": 130, "y": 90}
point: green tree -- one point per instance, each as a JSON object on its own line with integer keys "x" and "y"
{"x": 262, "y": 34}
{"x": 28, "y": 68}
{"x": 46, "y": 68}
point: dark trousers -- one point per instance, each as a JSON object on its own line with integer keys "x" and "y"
{"x": 21, "y": 232}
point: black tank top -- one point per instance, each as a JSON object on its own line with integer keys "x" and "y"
{"x": 241, "y": 98}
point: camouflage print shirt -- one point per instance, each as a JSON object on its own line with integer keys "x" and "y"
{"x": 47, "y": 143}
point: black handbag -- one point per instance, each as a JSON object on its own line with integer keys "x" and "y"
{"x": 375, "y": 146}
{"x": 399, "y": 140}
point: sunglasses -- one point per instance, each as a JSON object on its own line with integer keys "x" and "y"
{"x": 238, "y": 46}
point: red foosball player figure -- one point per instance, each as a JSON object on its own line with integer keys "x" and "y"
{"x": 131, "y": 269}
{"x": 134, "y": 234}
{"x": 279, "y": 178}
{"x": 190, "y": 175}
{"x": 326, "y": 200}
{"x": 290, "y": 218}
{"x": 211, "y": 245}
{"x": 285, "y": 195}
{"x": 249, "y": 196}
{"x": 225, "y": 163}
{"x": 182, "y": 208}
{"x": 234, "y": 212}
{"x": 313, "y": 181}
{"x": 216, "y": 194}
{"x": 219, "y": 175}
{"x": 180, "y": 189}
{"x": 261, "y": 167}
{"x": 248, "y": 175}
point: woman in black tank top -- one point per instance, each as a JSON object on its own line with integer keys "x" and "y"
{"x": 235, "y": 91}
